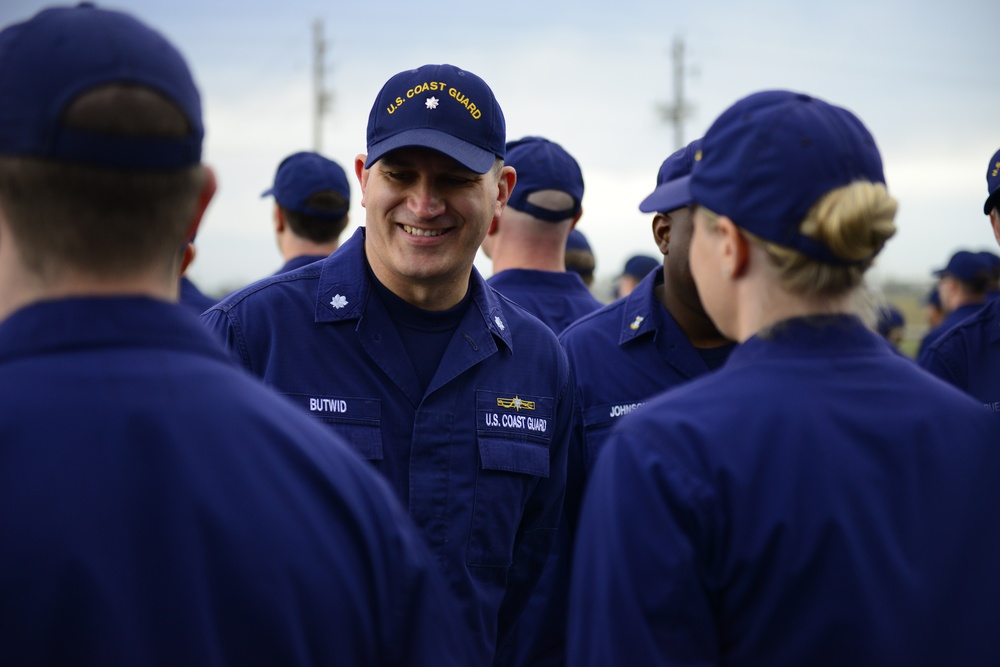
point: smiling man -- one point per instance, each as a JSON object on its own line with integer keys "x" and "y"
{"x": 397, "y": 342}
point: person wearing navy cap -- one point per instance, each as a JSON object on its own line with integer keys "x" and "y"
{"x": 968, "y": 355}
{"x": 819, "y": 500}
{"x": 580, "y": 257}
{"x": 311, "y": 202}
{"x": 461, "y": 399}
{"x": 962, "y": 288}
{"x": 636, "y": 268}
{"x": 891, "y": 324}
{"x": 158, "y": 505}
{"x": 528, "y": 242}
{"x": 932, "y": 308}
{"x": 658, "y": 336}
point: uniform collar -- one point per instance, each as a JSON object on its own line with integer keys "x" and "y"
{"x": 126, "y": 321}
{"x": 344, "y": 289}
{"x": 642, "y": 312}
{"x": 817, "y": 336}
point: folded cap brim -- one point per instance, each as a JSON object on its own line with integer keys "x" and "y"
{"x": 669, "y": 196}
{"x": 265, "y": 193}
{"x": 466, "y": 154}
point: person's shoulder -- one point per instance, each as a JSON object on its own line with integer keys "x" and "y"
{"x": 301, "y": 279}
{"x": 518, "y": 315}
{"x": 605, "y": 318}
{"x": 527, "y": 330}
{"x": 977, "y": 329}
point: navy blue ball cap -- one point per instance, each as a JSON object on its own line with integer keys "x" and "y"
{"x": 544, "y": 165}
{"x": 61, "y": 53}
{"x": 990, "y": 258}
{"x": 303, "y": 174}
{"x": 577, "y": 241}
{"x": 967, "y": 267}
{"x": 889, "y": 317}
{"x": 772, "y": 155}
{"x": 933, "y": 298}
{"x": 992, "y": 184}
{"x": 673, "y": 181}
{"x": 640, "y": 265}
{"x": 440, "y": 107}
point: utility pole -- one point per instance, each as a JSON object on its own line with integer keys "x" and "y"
{"x": 677, "y": 112}
{"x": 321, "y": 97}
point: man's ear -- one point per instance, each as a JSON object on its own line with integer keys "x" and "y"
{"x": 279, "y": 219}
{"x": 208, "y": 190}
{"x": 362, "y": 174}
{"x": 661, "y": 232}
{"x": 189, "y": 253}
{"x": 505, "y": 186}
{"x": 995, "y": 222}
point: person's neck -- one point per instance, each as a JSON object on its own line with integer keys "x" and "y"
{"x": 21, "y": 292}
{"x": 691, "y": 318}
{"x": 532, "y": 257}
{"x": 775, "y": 305}
{"x": 440, "y": 294}
{"x": 293, "y": 246}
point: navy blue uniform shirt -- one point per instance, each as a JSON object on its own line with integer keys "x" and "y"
{"x": 158, "y": 506}
{"x": 193, "y": 298}
{"x": 485, "y": 472}
{"x": 968, "y": 356}
{"x": 624, "y": 354}
{"x": 298, "y": 262}
{"x": 556, "y": 298}
{"x": 817, "y": 501}
{"x": 950, "y": 320}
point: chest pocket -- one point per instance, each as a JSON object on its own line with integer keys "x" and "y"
{"x": 356, "y": 420}
{"x": 513, "y": 435}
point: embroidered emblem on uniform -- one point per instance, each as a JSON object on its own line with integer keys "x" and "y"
{"x": 499, "y": 323}
{"x": 516, "y": 403}
{"x": 636, "y": 323}
{"x": 338, "y": 301}
{"x": 431, "y": 103}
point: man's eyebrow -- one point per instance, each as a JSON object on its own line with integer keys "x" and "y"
{"x": 456, "y": 169}
{"x": 396, "y": 162}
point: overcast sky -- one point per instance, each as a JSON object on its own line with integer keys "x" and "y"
{"x": 592, "y": 76}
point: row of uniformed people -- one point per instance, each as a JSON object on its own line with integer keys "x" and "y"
{"x": 743, "y": 517}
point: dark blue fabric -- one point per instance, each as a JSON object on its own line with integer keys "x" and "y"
{"x": 193, "y": 298}
{"x": 487, "y": 440}
{"x": 158, "y": 506}
{"x": 624, "y": 354}
{"x": 817, "y": 501}
{"x": 950, "y": 320}
{"x": 425, "y": 333}
{"x": 968, "y": 356}
{"x": 557, "y": 299}
{"x": 299, "y": 262}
